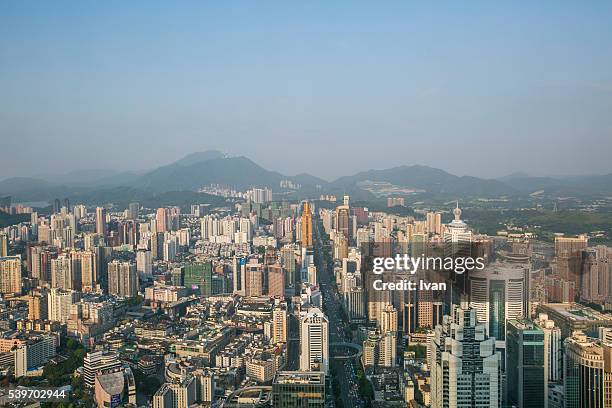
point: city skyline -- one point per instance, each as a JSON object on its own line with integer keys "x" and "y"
{"x": 486, "y": 90}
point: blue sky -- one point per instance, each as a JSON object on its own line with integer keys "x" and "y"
{"x": 329, "y": 88}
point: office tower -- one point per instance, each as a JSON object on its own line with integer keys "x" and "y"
{"x": 526, "y": 370}
{"x": 424, "y": 308}
{"x": 57, "y": 204}
{"x": 552, "y": 347}
{"x": 297, "y": 389}
{"x": 276, "y": 281}
{"x": 198, "y": 277}
{"x": 568, "y": 254}
{"x": 434, "y": 223}
{"x": 144, "y": 263}
{"x": 314, "y": 341}
{"x": 101, "y": 227}
{"x": 162, "y": 219}
{"x": 306, "y": 225}
{"x": 33, "y": 353}
{"x": 98, "y": 361}
{"x": 499, "y": 292}
{"x": 122, "y": 279}
{"x": 59, "y": 302}
{"x": 343, "y": 221}
{"x": 237, "y": 271}
{"x": 288, "y": 261}
{"x": 157, "y": 245}
{"x": 279, "y": 324}
{"x": 133, "y": 211}
{"x": 465, "y": 368}
{"x": 61, "y": 273}
{"x": 587, "y": 372}
{"x": 3, "y": 245}
{"x": 254, "y": 280}
{"x": 10, "y": 275}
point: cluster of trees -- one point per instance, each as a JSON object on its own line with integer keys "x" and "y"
{"x": 61, "y": 373}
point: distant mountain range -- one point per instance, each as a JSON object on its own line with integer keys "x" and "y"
{"x": 213, "y": 167}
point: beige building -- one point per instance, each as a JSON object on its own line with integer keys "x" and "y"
{"x": 10, "y": 275}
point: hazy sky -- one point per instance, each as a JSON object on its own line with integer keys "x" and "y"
{"x": 325, "y": 87}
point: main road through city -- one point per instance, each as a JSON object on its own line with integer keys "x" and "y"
{"x": 344, "y": 369}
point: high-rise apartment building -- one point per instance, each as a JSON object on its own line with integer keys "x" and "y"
{"x": 144, "y": 263}
{"x": 3, "y": 245}
{"x": 162, "y": 219}
{"x": 101, "y": 227}
{"x": 279, "y": 324}
{"x": 59, "y": 304}
{"x": 10, "y": 275}
{"x": 122, "y": 279}
{"x": 61, "y": 273}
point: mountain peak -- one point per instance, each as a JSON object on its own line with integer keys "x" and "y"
{"x": 198, "y": 157}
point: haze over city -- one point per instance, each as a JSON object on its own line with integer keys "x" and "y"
{"x": 483, "y": 89}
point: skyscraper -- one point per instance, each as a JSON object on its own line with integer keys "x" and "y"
{"x": 144, "y": 263}
{"x": 296, "y": 389}
{"x": 314, "y": 339}
{"x": 306, "y": 225}
{"x": 161, "y": 218}
{"x": 526, "y": 371}
{"x": 101, "y": 221}
{"x": 3, "y": 244}
{"x": 133, "y": 210}
{"x": 552, "y": 347}
{"x": 279, "y": 324}
{"x": 276, "y": 281}
{"x": 587, "y": 372}
{"x": 343, "y": 219}
{"x": 465, "y": 368}
{"x": 59, "y": 304}
{"x": 253, "y": 279}
{"x": 61, "y": 273}
{"x": 498, "y": 293}
{"x": 122, "y": 279}
{"x": 10, "y": 275}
